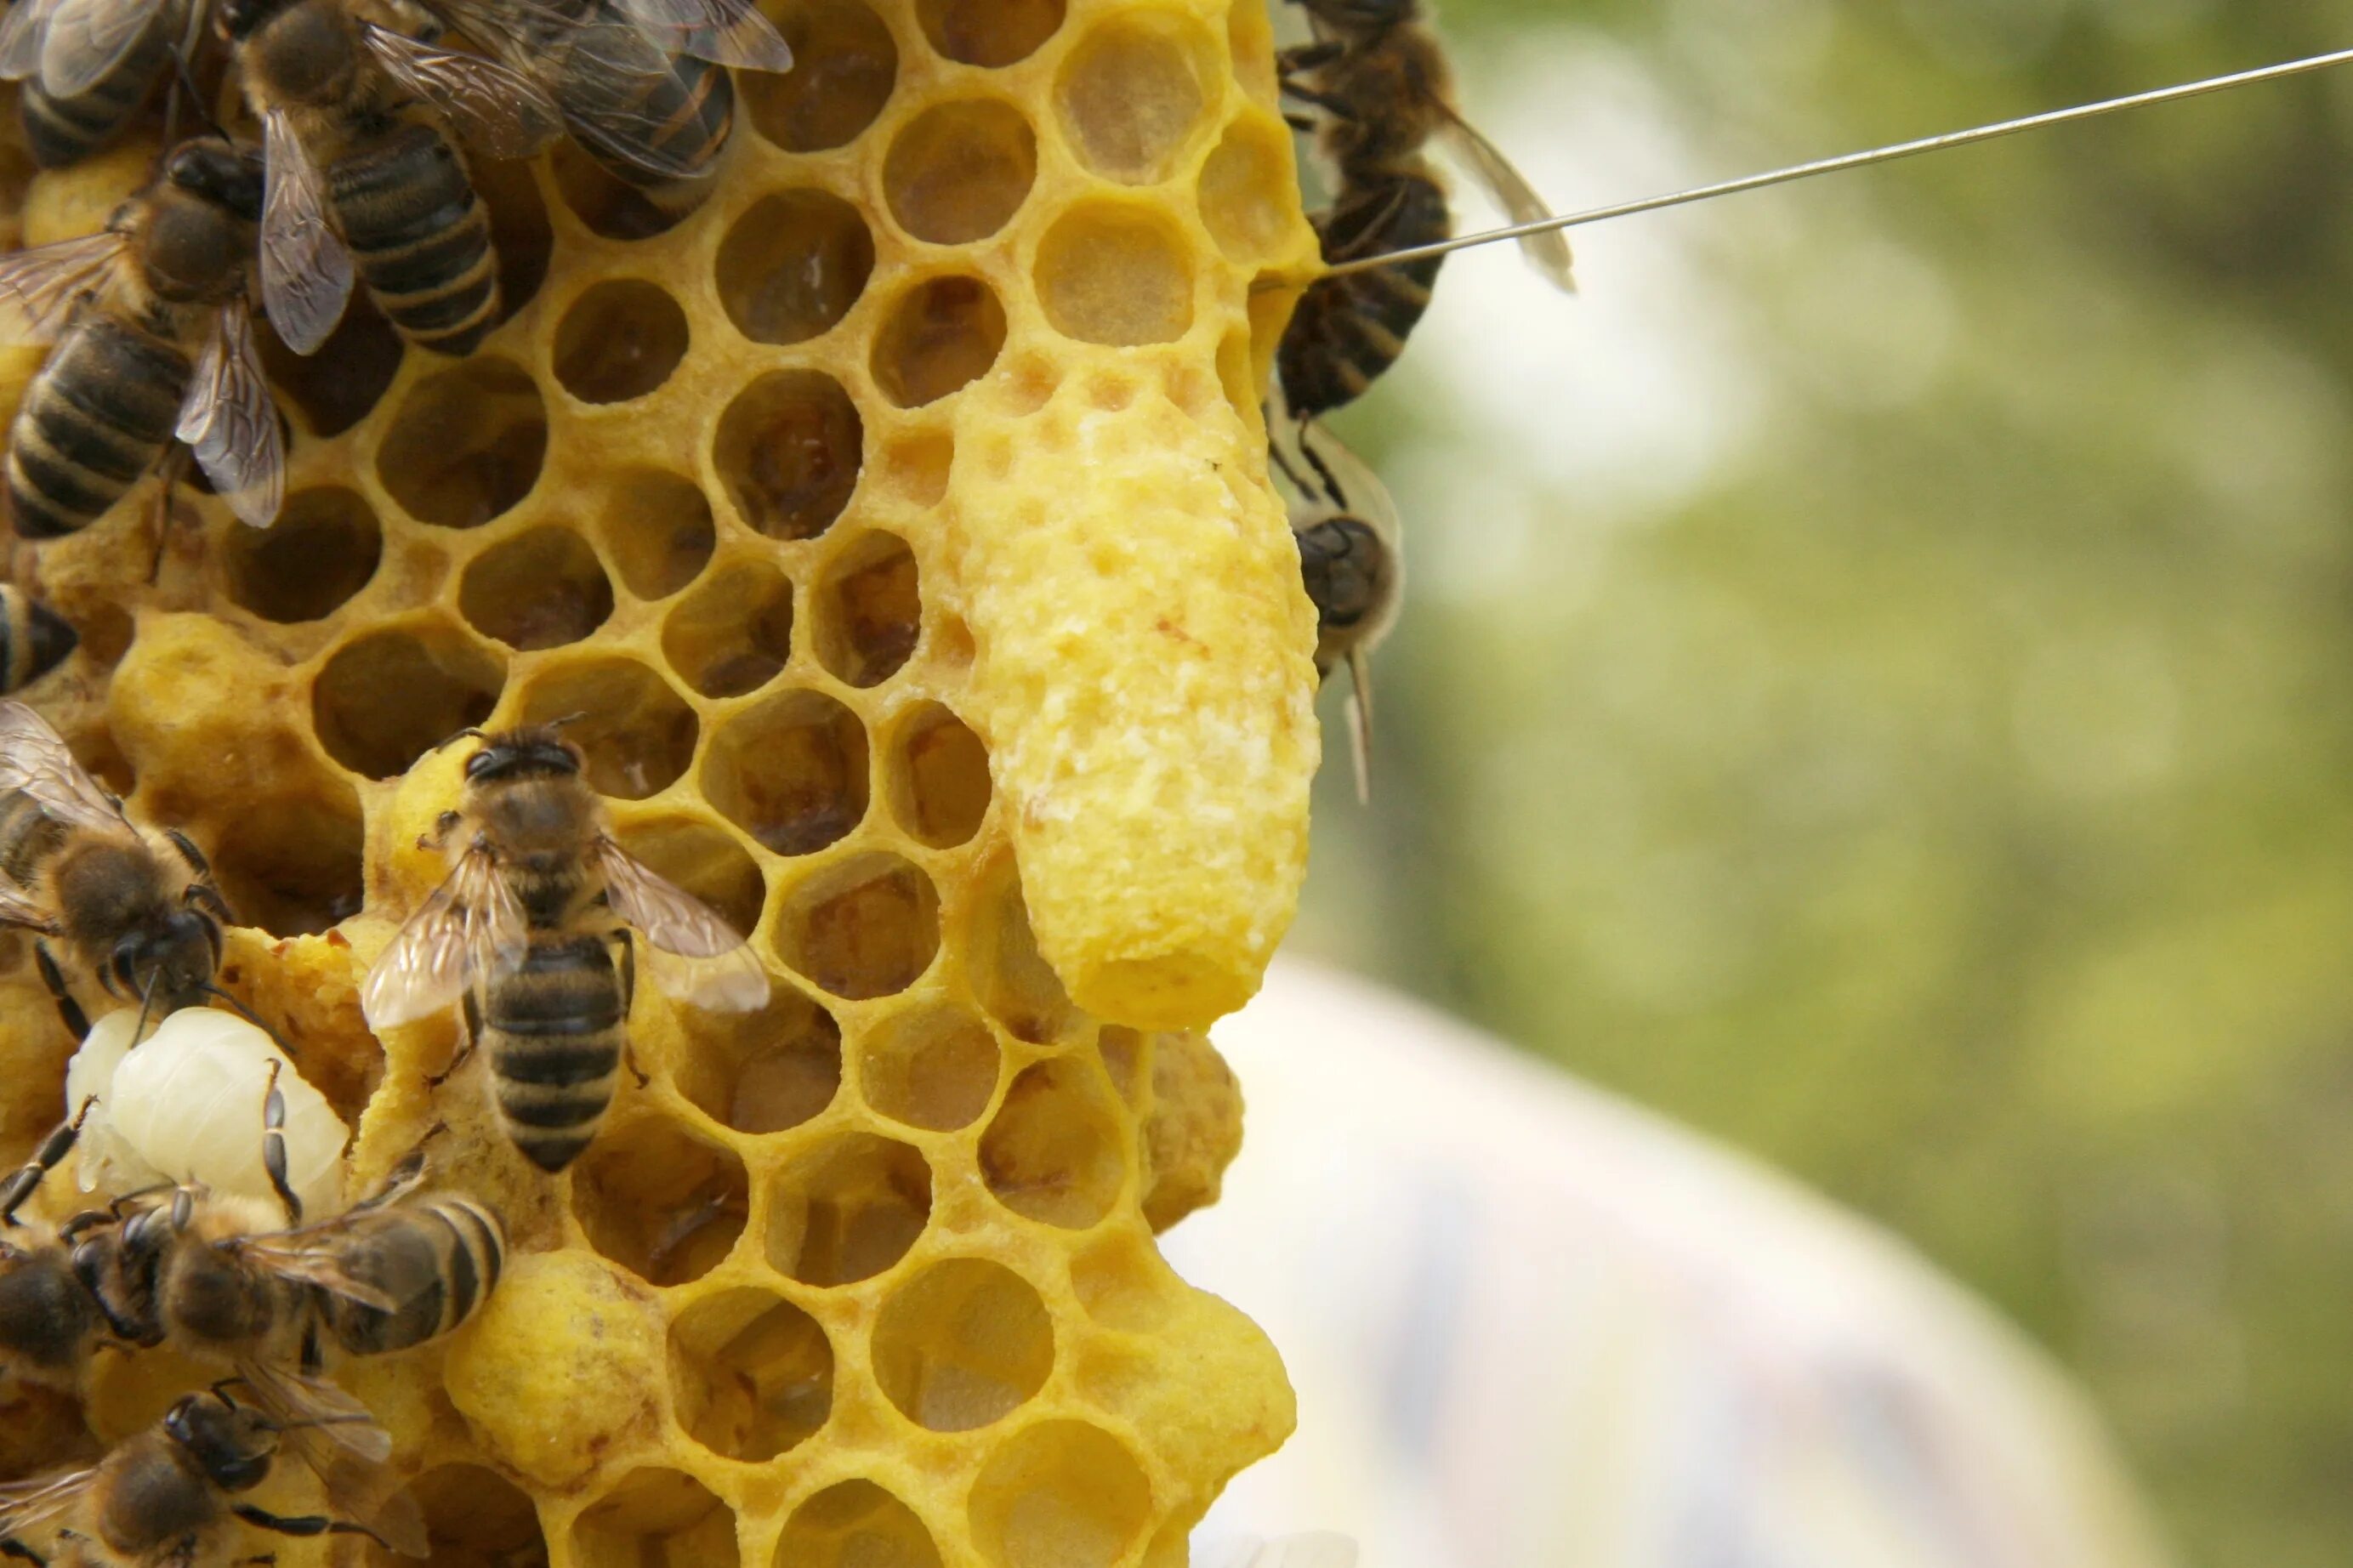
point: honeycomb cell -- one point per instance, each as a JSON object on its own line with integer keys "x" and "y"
{"x": 608, "y": 206}
{"x": 918, "y": 467}
{"x": 763, "y": 1071}
{"x": 465, "y": 445}
{"x": 735, "y": 634}
{"x": 1052, "y": 1151}
{"x": 474, "y": 1517}
{"x": 793, "y": 264}
{"x": 1246, "y": 192}
{"x": 1239, "y": 376}
{"x": 964, "y": 1344}
{"x": 790, "y": 771}
{"x": 1115, "y": 275}
{"x": 702, "y": 859}
{"x": 385, "y": 699}
{"x": 867, "y": 927}
{"x": 959, "y": 171}
{"x": 1017, "y": 985}
{"x": 323, "y": 549}
{"x": 638, "y": 734}
{"x": 336, "y": 387}
{"x": 292, "y": 865}
{"x": 1131, "y": 94}
{"x": 519, "y": 229}
{"x": 619, "y": 340}
{"x": 1125, "y": 1284}
{"x": 844, "y": 63}
{"x": 656, "y": 1519}
{"x": 1122, "y": 1051}
{"x": 855, "y": 1524}
{"x": 870, "y": 610}
{"x": 788, "y": 451}
{"x": 933, "y": 1066}
{"x": 1060, "y": 1494}
{"x": 988, "y": 32}
{"x": 657, "y": 530}
{"x": 750, "y": 1375}
{"x": 941, "y": 335}
{"x": 540, "y": 589}
{"x": 660, "y": 1200}
{"x": 938, "y": 777}
{"x": 848, "y": 1210}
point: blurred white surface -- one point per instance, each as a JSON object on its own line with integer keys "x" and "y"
{"x": 1534, "y": 1325}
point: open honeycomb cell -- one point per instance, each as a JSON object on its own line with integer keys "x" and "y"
{"x": 887, "y": 519}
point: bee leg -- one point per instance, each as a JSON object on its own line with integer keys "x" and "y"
{"x": 1336, "y": 108}
{"x": 53, "y": 1150}
{"x": 11, "y": 1547}
{"x": 465, "y": 1050}
{"x": 174, "y": 464}
{"x": 273, "y": 1148}
{"x": 1289, "y": 62}
{"x": 1303, "y": 124}
{"x": 303, "y": 1524}
{"x": 76, "y": 1022}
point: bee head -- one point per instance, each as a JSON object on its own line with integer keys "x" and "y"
{"x": 240, "y": 19}
{"x": 170, "y": 959}
{"x": 1355, "y": 16}
{"x": 232, "y": 1445}
{"x": 1344, "y": 564}
{"x": 198, "y": 231}
{"x": 215, "y": 171}
{"x": 538, "y": 752}
{"x": 305, "y": 50}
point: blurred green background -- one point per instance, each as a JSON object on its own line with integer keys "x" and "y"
{"x": 1878, "y": 678}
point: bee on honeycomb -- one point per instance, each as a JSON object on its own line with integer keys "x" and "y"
{"x": 895, "y": 517}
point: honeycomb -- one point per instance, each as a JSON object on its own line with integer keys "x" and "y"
{"x": 897, "y": 523}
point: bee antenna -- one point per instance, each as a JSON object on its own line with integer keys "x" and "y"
{"x": 146, "y": 1003}
{"x": 1887, "y": 154}
{"x": 471, "y": 732}
{"x": 249, "y": 1015}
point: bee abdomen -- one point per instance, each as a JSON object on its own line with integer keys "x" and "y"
{"x": 34, "y": 638}
{"x": 95, "y": 419}
{"x": 61, "y": 131}
{"x": 420, "y": 237}
{"x": 554, "y": 1032}
{"x": 691, "y": 108}
{"x": 29, "y": 838}
{"x": 1347, "y": 330}
{"x": 439, "y": 1258}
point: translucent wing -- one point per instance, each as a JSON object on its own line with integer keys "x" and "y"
{"x": 692, "y": 953}
{"x": 19, "y": 907}
{"x": 1360, "y": 721}
{"x": 27, "y": 1505}
{"x": 503, "y": 113}
{"x": 724, "y": 32}
{"x": 35, "y": 760}
{"x": 470, "y": 925}
{"x": 732, "y": 982}
{"x": 306, "y": 271}
{"x": 604, "y": 70}
{"x": 38, "y": 287}
{"x": 84, "y": 40}
{"x": 308, "y": 1256}
{"x": 230, "y": 421}
{"x": 334, "y": 1435}
{"x": 20, "y": 37}
{"x": 1549, "y": 253}
{"x": 1350, "y": 484}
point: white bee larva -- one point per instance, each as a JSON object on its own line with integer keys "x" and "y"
{"x": 187, "y": 1106}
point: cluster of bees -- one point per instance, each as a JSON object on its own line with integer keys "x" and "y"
{"x": 532, "y": 935}
{"x": 1372, "y": 91}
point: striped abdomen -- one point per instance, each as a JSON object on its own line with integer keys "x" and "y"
{"x": 685, "y": 112}
{"x": 420, "y": 237}
{"x": 34, "y": 638}
{"x": 29, "y": 838}
{"x": 437, "y": 1256}
{"x": 553, "y": 1028}
{"x": 1346, "y": 331}
{"x": 61, "y": 131}
{"x": 97, "y": 417}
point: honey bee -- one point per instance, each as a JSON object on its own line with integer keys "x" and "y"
{"x": 47, "y": 1322}
{"x": 34, "y": 638}
{"x": 1351, "y": 559}
{"x": 132, "y": 907}
{"x": 169, "y": 1496}
{"x": 361, "y": 175}
{"x": 1380, "y": 89}
{"x": 153, "y": 343}
{"x": 531, "y": 932}
{"x": 642, "y": 83}
{"x": 88, "y": 67}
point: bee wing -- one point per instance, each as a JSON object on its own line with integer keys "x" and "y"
{"x": 27, "y": 1505}
{"x": 1351, "y": 484}
{"x": 35, "y": 760}
{"x": 306, "y": 270}
{"x": 303, "y": 1258}
{"x": 724, "y": 32}
{"x": 19, "y": 907}
{"x": 605, "y": 67}
{"x": 694, "y": 954}
{"x": 38, "y": 287}
{"x": 1549, "y": 253}
{"x": 230, "y": 421}
{"x": 20, "y": 37}
{"x": 334, "y": 1434}
{"x": 470, "y": 925}
{"x": 502, "y": 112}
{"x": 84, "y": 40}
